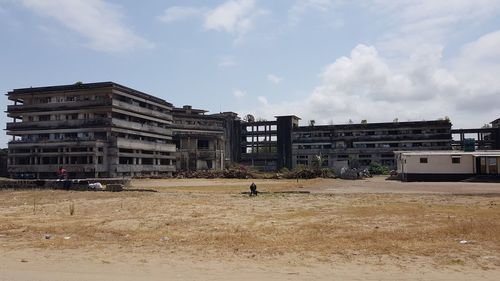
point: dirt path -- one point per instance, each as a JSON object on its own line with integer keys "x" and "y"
{"x": 75, "y": 265}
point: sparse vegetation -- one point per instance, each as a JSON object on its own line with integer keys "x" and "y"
{"x": 214, "y": 224}
{"x": 376, "y": 168}
{"x": 72, "y": 208}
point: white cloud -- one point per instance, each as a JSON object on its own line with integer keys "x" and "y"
{"x": 227, "y": 61}
{"x": 427, "y": 22}
{"x": 263, "y": 100}
{"x": 367, "y": 85}
{"x": 235, "y": 17}
{"x": 99, "y": 22}
{"x": 301, "y": 7}
{"x": 178, "y": 13}
{"x": 274, "y": 78}
{"x": 238, "y": 94}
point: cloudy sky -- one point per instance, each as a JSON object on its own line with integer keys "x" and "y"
{"x": 327, "y": 60}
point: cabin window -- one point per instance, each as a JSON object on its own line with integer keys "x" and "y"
{"x": 455, "y": 159}
{"x": 423, "y": 160}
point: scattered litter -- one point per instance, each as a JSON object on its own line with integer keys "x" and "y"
{"x": 489, "y": 257}
{"x": 67, "y": 237}
{"x": 47, "y": 236}
{"x": 96, "y": 186}
{"x": 354, "y": 173}
{"x": 164, "y": 239}
{"x": 466, "y": 242}
{"x": 24, "y": 260}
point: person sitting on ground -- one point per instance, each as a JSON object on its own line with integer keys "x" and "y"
{"x": 253, "y": 189}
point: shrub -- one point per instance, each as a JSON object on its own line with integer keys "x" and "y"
{"x": 376, "y": 168}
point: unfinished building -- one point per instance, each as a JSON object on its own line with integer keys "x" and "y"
{"x": 267, "y": 145}
{"x": 485, "y": 138}
{"x": 203, "y": 141}
{"x": 92, "y": 130}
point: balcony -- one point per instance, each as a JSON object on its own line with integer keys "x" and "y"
{"x": 140, "y": 127}
{"x": 57, "y": 106}
{"x": 51, "y": 168}
{"x": 142, "y": 110}
{"x": 144, "y": 145}
{"x": 59, "y": 124}
{"x": 144, "y": 168}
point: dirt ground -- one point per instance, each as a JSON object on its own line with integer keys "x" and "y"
{"x": 198, "y": 229}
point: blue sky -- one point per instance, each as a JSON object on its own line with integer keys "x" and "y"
{"x": 327, "y": 60}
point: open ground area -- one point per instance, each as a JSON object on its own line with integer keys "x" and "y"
{"x": 207, "y": 230}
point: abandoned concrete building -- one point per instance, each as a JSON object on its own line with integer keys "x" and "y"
{"x": 485, "y": 138}
{"x": 362, "y": 144}
{"x": 203, "y": 141}
{"x": 267, "y": 145}
{"x": 109, "y": 130}
{"x": 93, "y": 130}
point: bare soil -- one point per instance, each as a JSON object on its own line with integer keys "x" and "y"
{"x": 206, "y": 229}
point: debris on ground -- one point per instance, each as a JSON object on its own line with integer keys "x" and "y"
{"x": 354, "y": 173}
{"x": 96, "y": 186}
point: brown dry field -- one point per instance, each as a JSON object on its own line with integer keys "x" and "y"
{"x": 207, "y": 230}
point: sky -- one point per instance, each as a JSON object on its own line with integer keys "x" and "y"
{"x": 325, "y": 60}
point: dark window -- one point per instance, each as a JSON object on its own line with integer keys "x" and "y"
{"x": 203, "y": 144}
{"x": 44, "y": 117}
{"x": 123, "y": 160}
{"x": 423, "y": 160}
{"x": 455, "y": 160}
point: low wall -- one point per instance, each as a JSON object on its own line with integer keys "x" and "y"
{"x": 28, "y": 184}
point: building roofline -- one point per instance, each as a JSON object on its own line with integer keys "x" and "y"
{"x": 372, "y": 125}
{"x": 449, "y": 152}
{"x": 86, "y": 86}
{"x": 293, "y": 116}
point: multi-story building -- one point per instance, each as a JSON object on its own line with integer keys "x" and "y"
{"x": 267, "y": 145}
{"x": 362, "y": 144}
{"x": 485, "y": 138}
{"x": 272, "y": 145}
{"x": 203, "y": 141}
{"x": 108, "y": 130}
{"x": 92, "y": 130}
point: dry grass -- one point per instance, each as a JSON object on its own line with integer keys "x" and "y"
{"x": 225, "y": 223}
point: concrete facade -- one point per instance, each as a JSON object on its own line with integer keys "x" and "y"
{"x": 92, "y": 130}
{"x": 267, "y": 145}
{"x": 109, "y": 130}
{"x": 203, "y": 142}
{"x": 359, "y": 145}
{"x": 486, "y": 138}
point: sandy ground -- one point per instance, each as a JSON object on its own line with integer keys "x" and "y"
{"x": 207, "y": 230}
